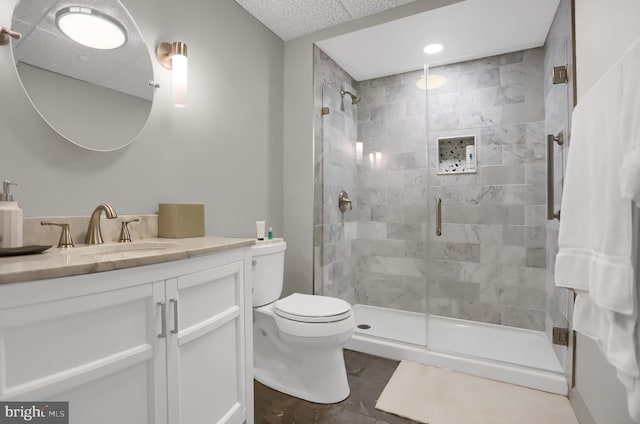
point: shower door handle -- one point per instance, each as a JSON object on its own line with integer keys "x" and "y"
{"x": 438, "y": 217}
{"x": 551, "y": 214}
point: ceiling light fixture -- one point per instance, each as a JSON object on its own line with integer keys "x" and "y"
{"x": 91, "y": 28}
{"x": 433, "y": 48}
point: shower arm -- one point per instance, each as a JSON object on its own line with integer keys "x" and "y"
{"x": 354, "y": 98}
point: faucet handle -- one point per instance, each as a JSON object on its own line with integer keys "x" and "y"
{"x": 343, "y": 202}
{"x": 125, "y": 236}
{"x": 65, "y": 235}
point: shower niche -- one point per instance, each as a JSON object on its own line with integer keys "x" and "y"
{"x": 457, "y": 155}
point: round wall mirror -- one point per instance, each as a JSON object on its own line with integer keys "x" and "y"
{"x": 94, "y": 90}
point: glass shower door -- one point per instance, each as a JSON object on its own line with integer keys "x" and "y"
{"x": 391, "y": 200}
{"x": 490, "y": 241}
{"x": 370, "y": 143}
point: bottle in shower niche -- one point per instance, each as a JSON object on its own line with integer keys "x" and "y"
{"x": 10, "y": 218}
{"x": 471, "y": 160}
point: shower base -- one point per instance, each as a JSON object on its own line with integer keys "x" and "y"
{"x": 507, "y": 354}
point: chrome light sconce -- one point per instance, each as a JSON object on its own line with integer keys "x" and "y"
{"x": 174, "y": 56}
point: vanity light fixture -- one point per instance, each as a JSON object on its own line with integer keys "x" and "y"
{"x": 91, "y": 28}
{"x": 433, "y": 48}
{"x": 174, "y": 56}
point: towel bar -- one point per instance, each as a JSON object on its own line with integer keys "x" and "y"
{"x": 551, "y": 215}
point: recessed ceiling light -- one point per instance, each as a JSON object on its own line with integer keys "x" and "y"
{"x": 433, "y": 48}
{"x": 91, "y": 28}
{"x": 431, "y": 82}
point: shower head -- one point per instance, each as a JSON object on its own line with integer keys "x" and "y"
{"x": 354, "y": 99}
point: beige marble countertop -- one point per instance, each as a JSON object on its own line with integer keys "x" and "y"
{"x": 84, "y": 259}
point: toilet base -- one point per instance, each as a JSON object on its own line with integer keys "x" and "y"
{"x": 309, "y": 368}
{"x": 318, "y": 378}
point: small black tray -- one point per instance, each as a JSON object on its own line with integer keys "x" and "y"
{"x": 22, "y": 250}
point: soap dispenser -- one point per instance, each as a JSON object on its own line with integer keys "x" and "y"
{"x": 10, "y": 218}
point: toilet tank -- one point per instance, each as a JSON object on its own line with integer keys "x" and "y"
{"x": 267, "y": 267}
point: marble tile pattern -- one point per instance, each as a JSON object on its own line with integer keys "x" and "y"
{"x": 392, "y": 194}
{"x": 335, "y": 170}
{"x": 559, "y": 101}
{"x": 489, "y": 263}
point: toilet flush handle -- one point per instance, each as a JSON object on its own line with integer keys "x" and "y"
{"x": 254, "y": 262}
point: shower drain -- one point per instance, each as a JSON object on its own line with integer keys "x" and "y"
{"x": 364, "y": 326}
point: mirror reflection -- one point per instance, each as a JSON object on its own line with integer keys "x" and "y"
{"x": 93, "y": 91}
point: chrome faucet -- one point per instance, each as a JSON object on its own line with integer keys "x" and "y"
{"x": 94, "y": 236}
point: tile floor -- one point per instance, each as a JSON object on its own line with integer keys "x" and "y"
{"x": 368, "y": 375}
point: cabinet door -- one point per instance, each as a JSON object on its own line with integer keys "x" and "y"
{"x": 205, "y": 347}
{"x": 95, "y": 351}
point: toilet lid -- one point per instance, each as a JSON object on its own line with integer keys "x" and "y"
{"x": 308, "y": 308}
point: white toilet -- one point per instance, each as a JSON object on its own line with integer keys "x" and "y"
{"x": 298, "y": 339}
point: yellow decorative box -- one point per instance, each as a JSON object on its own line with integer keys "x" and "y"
{"x": 180, "y": 220}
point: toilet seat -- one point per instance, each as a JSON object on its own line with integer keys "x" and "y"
{"x": 312, "y": 309}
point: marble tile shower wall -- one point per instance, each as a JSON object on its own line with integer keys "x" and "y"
{"x": 490, "y": 262}
{"x": 392, "y": 193}
{"x": 335, "y": 170}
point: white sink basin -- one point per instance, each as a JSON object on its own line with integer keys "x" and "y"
{"x": 131, "y": 249}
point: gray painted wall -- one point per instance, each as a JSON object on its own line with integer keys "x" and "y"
{"x": 223, "y": 150}
{"x": 604, "y": 31}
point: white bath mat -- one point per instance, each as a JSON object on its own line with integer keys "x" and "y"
{"x": 439, "y": 396}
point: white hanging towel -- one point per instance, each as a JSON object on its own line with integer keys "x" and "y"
{"x": 596, "y": 231}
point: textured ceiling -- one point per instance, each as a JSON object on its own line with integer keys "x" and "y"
{"x": 290, "y": 19}
{"x": 126, "y": 69}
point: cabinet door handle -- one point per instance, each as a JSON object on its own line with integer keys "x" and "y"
{"x": 163, "y": 317}
{"x": 175, "y": 316}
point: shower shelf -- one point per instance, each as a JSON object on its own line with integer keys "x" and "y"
{"x": 452, "y": 155}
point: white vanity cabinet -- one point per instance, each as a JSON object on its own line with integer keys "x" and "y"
{"x": 165, "y": 343}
